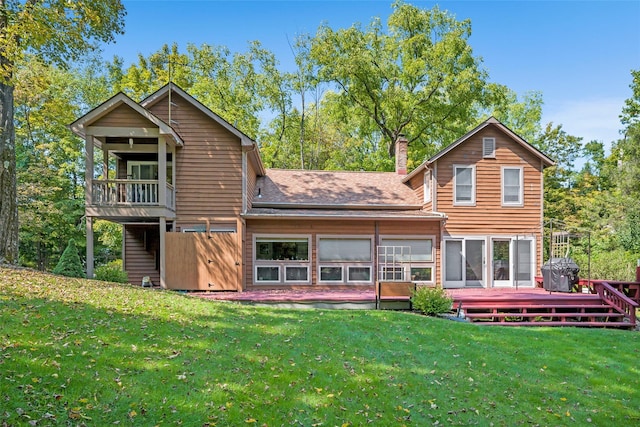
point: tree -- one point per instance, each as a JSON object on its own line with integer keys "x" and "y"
{"x": 55, "y": 30}
{"x": 419, "y": 78}
{"x": 70, "y": 264}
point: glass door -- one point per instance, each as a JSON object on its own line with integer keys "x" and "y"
{"x": 475, "y": 263}
{"x": 524, "y": 263}
{"x": 453, "y": 264}
{"x": 501, "y": 262}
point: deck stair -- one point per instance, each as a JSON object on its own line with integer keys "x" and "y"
{"x": 543, "y": 309}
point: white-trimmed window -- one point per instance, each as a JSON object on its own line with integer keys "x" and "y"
{"x": 419, "y": 265}
{"x": 427, "y": 186}
{"x": 489, "y": 148}
{"x": 512, "y": 187}
{"x": 281, "y": 259}
{"x": 344, "y": 259}
{"x": 464, "y": 183}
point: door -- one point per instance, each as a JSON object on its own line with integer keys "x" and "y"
{"x": 524, "y": 263}
{"x": 475, "y": 263}
{"x": 501, "y": 262}
{"x": 203, "y": 261}
{"x": 464, "y": 263}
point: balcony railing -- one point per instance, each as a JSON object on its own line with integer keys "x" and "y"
{"x": 129, "y": 192}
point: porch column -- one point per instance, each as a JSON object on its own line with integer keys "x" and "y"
{"x": 88, "y": 173}
{"x": 88, "y": 196}
{"x": 162, "y": 171}
{"x": 163, "y": 230}
{"x": 89, "y": 225}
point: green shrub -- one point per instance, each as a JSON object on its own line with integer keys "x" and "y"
{"x": 112, "y": 272}
{"x": 431, "y": 301}
{"x": 70, "y": 264}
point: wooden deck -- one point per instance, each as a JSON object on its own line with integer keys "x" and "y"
{"x": 596, "y": 306}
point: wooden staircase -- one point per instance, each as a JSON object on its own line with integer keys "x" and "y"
{"x": 605, "y": 308}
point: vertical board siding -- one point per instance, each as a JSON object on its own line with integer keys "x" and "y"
{"x": 124, "y": 116}
{"x": 141, "y": 244}
{"x": 314, "y": 228}
{"x": 208, "y": 167}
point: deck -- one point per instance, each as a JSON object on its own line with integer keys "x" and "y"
{"x": 593, "y": 307}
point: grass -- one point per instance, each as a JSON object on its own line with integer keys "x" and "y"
{"x": 80, "y": 352}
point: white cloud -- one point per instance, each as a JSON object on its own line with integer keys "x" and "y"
{"x": 591, "y": 119}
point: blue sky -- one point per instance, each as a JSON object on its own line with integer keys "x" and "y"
{"x": 578, "y": 54}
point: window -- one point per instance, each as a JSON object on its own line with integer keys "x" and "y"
{"x": 464, "y": 185}
{"x": 411, "y": 258}
{"x": 281, "y": 259}
{"x": 359, "y": 274}
{"x": 331, "y": 274}
{"x": 281, "y": 249}
{"x": 345, "y": 256}
{"x": 336, "y": 249}
{"x": 296, "y": 274}
{"x": 427, "y": 186}
{"x": 489, "y": 148}
{"x": 268, "y": 274}
{"x": 512, "y": 186}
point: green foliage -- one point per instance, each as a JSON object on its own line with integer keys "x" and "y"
{"x": 84, "y": 352}
{"x": 70, "y": 264}
{"x": 112, "y": 272}
{"x": 431, "y": 301}
{"x": 412, "y": 77}
{"x": 616, "y": 264}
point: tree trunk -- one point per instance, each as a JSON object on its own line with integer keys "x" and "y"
{"x": 8, "y": 193}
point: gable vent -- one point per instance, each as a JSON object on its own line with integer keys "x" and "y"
{"x": 489, "y": 148}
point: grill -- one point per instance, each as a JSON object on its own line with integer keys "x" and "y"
{"x": 560, "y": 274}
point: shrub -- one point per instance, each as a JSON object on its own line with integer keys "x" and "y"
{"x": 431, "y": 301}
{"x": 112, "y": 272}
{"x": 70, "y": 264}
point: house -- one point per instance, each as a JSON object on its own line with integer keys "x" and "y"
{"x": 199, "y": 211}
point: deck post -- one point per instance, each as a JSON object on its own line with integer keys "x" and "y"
{"x": 163, "y": 252}
{"x": 638, "y": 271}
{"x": 90, "y": 261}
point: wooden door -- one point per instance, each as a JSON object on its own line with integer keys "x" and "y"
{"x": 201, "y": 261}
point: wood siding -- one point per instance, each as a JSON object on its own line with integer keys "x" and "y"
{"x": 346, "y": 228}
{"x": 141, "y": 244}
{"x": 124, "y": 116}
{"x": 252, "y": 177}
{"x": 488, "y": 217}
{"x": 208, "y": 167}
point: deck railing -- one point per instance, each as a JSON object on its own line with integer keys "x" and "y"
{"x": 617, "y": 300}
{"x": 127, "y": 192}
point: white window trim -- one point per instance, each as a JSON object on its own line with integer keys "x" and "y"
{"x": 472, "y": 202}
{"x": 340, "y": 266}
{"x": 369, "y": 267}
{"x": 131, "y": 163}
{"x": 419, "y": 264}
{"x": 255, "y": 270}
{"x": 281, "y": 264}
{"x": 491, "y": 155}
{"x": 305, "y": 266}
{"x": 426, "y": 185}
{"x": 520, "y": 202}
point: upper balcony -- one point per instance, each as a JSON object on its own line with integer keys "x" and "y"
{"x": 119, "y": 199}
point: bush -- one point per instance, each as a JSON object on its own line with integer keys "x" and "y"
{"x": 112, "y": 272}
{"x": 431, "y": 301}
{"x": 70, "y": 264}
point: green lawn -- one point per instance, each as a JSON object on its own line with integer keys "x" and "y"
{"x": 76, "y": 352}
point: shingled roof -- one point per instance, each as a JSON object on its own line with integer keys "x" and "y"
{"x": 334, "y": 189}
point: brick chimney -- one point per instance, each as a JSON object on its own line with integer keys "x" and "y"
{"x": 401, "y": 154}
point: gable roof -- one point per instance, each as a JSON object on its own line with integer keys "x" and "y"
{"x": 79, "y": 126}
{"x": 489, "y": 122}
{"x": 249, "y": 144}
